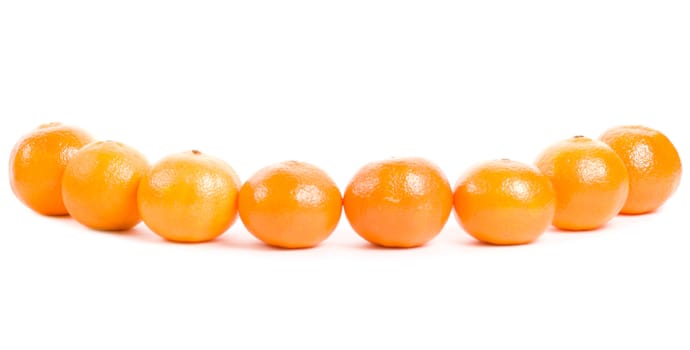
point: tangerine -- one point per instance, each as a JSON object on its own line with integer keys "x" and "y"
{"x": 504, "y": 202}
{"x": 590, "y": 181}
{"x": 290, "y": 205}
{"x": 99, "y": 186}
{"x": 653, "y": 165}
{"x": 189, "y": 197}
{"x": 399, "y": 203}
{"x": 37, "y": 163}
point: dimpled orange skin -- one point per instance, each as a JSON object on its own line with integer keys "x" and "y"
{"x": 590, "y": 181}
{"x": 398, "y": 203}
{"x": 290, "y": 205}
{"x": 99, "y": 186}
{"x": 653, "y": 165}
{"x": 504, "y": 202}
{"x": 37, "y": 163}
{"x": 189, "y": 197}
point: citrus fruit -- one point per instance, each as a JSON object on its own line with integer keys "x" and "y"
{"x": 290, "y": 205}
{"x": 653, "y": 165}
{"x": 99, "y": 186}
{"x": 504, "y": 202}
{"x": 37, "y": 162}
{"x": 189, "y": 197}
{"x": 590, "y": 181}
{"x": 398, "y": 203}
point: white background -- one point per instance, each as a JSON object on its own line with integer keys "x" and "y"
{"x": 339, "y": 84}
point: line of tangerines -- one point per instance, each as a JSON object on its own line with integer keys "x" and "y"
{"x": 576, "y": 184}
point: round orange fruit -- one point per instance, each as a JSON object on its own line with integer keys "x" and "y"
{"x": 504, "y": 202}
{"x": 189, "y": 197}
{"x": 590, "y": 181}
{"x": 290, "y": 205}
{"x": 398, "y": 203}
{"x": 37, "y": 163}
{"x": 99, "y": 185}
{"x": 653, "y": 165}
